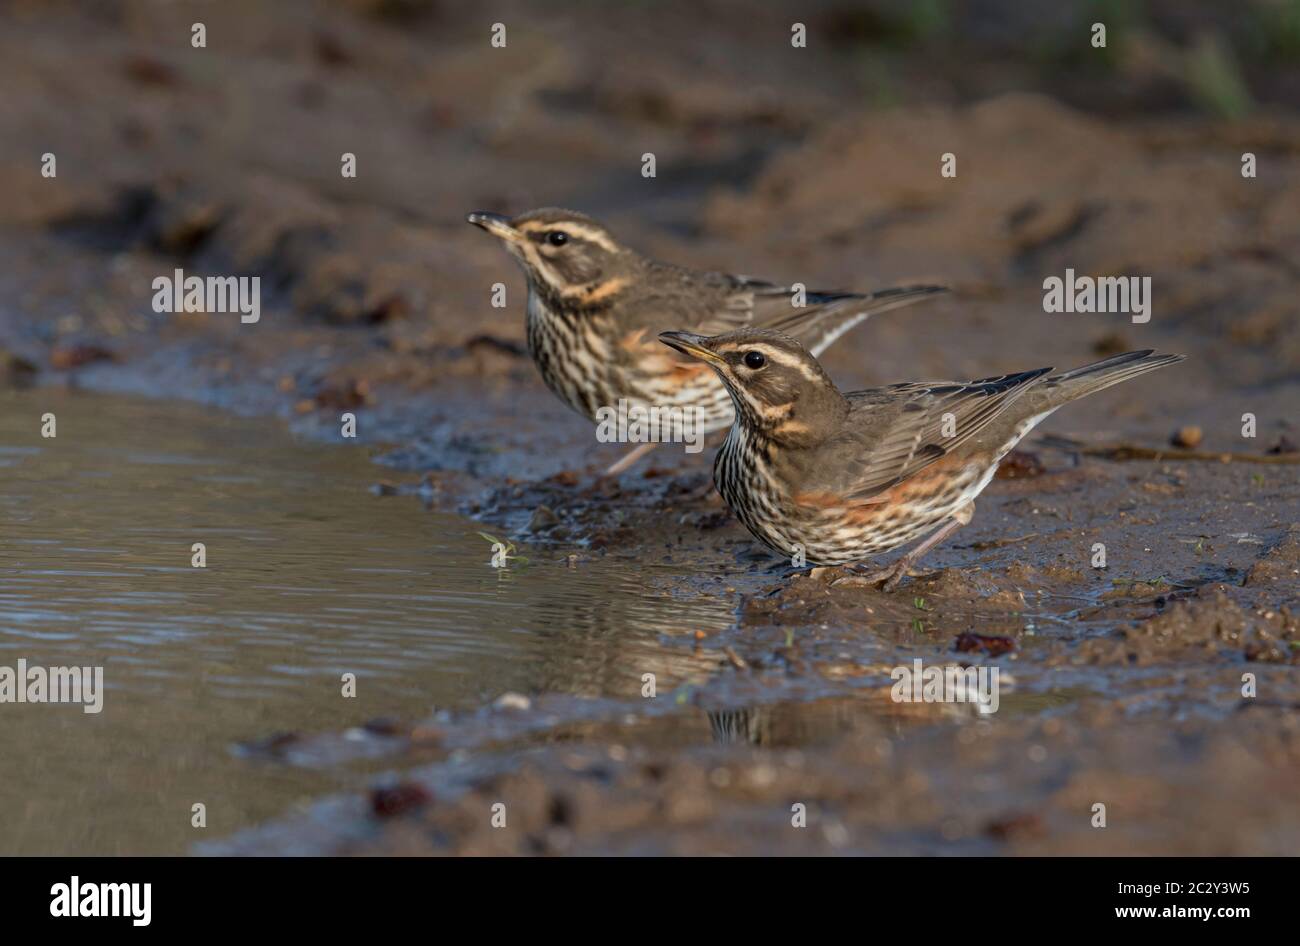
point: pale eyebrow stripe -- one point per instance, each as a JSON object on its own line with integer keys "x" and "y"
{"x": 775, "y": 355}
{"x": 590, "y": 235}
{"x": 573, "y": 227}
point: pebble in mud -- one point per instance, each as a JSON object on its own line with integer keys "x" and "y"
{"x": 1020, "y": 464}
{"x": 1019, "y": 825}
{"x": 992, "y": 645}
{"x": 279, "y": 745}
{"x": 543, "y": 518}
{"x": 345, "y": 394}
{"x": 385, "y": 726}
{"x": 15, "y": 370}
{"x": 512, "y": 701}
{"x": 67, "y": 357}
{"x": 392, "y": 800}
{"x": 1282, "y": 445}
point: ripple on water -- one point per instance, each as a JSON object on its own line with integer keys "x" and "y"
{"x": 308, "y": 577}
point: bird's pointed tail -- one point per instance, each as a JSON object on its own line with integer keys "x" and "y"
{"x": 1089, "y": 379}
{"x": 819, "y": 330}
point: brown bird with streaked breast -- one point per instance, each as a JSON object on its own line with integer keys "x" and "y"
{"x": 844, "y": 477}
{"x": 595, "y": 309}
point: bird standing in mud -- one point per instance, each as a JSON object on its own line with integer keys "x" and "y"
{"x": 595, "y": 308}
{"x": 846, "y": 476}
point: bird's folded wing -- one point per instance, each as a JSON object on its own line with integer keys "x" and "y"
{"x": 901, "y": 429}
{"x": 826, "y": 316}
{"x": 814, "y": 318}
{"x": 710, "y": 303}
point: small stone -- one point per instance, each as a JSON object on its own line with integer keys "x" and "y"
{"x": 67, "y": 357}
{"x": 994, "y": 646}
{"x": 1189, "y": 437}
{"x": 543, "y": 518}
{"x": 346, "y": 394}
{"x": 15, "y": 370}
{"x": 512, "y": 701}
{"x": 385, "y": 726}
{"x": 398, "y": 799}
{"x": 425, "y": 735}
{"x": 1020, "y": 464}
{"x": 1282, "y": 445}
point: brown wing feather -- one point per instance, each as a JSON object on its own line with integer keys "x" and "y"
{"x": 672, "y": 298}
{"x": 823, "y": 317}
{"x": 899, "y": 429}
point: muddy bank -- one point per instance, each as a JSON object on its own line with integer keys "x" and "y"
{"x": 1116, "y": 690}
{"x": 868, "y": 784}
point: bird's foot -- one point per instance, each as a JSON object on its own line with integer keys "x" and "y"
{"x": 889, "y": 577}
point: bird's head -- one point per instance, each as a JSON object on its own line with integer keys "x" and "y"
{"x": 568, "y": 257}
{"x": 779, "y": 389}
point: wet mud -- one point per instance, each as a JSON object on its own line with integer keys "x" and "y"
{"x": 1123, "y": 686}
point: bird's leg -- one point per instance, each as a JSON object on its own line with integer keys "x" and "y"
{"x": 636, "y": 453}
{"x": 891, "y": 575}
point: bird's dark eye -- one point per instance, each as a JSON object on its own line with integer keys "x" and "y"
{"x": 557, "y": 238}
{"x": 755, "y": 359}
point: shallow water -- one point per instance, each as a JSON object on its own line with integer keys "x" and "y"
{"x": 309, "y": 576}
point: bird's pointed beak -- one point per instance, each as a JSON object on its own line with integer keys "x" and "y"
{"x": 693, "y": 345}
{"x": 495, "y": 224}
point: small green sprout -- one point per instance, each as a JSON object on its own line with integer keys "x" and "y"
{"x": 503, "y": 551}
